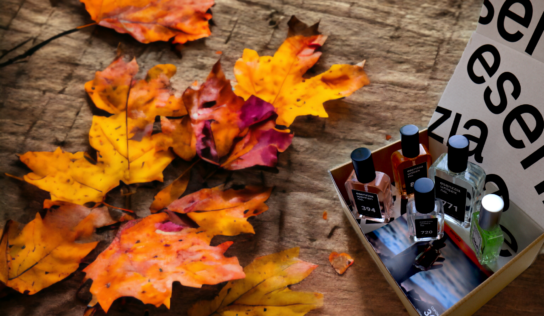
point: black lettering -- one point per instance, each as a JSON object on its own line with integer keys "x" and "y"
{"x": 515, "y": 115}
{"x": 478, "y": 55}
{"x": 499, "y": 108}
{"x": 445, "y": 116}
{"x": 540, "y": 188}
{"x": 523, "y": 21}
{"x": 480, "y": 141}
{"x": 533, "y": 158}
{"x": 502, "y": 191}
{"x": 536, "y": 36}
{"x": 490, "y": 12}
{"x": 512, "y": 243}
{"x": 455, "y": 125}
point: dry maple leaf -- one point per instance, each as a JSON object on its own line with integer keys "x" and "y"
{"x": 227, "y": 131}
{"x": 279, "y": 79}
{"x": 148, "y": 255}
{"x": 340, "y": 261}
{"x": 76, "y": 178}
{"x": 148, "y": 98}
{"x": 69, "y": 177}
{"x": 265, "y": 290}
{"x": 223, "y": 212}
{"x": 131, "y": 161}
{"x": 154, "y": 20}
{"x": 45, "y": 250}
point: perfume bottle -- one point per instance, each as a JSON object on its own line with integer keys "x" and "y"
{"x": 425, "y": 214}
{"x": 369, "y": 190}
{"x": 411, "y": 162}
{"x": 485, "y": 231}
{"x": 459, "y": 183}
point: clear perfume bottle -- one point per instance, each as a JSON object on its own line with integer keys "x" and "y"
{"x": 411, "y": 162}
{"x": 425, "y": 214}
{"x": 459, "y": 183}
{"x": 485, "y": 232}
{"x": 369, "y": 190}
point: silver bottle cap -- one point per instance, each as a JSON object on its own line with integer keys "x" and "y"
{"x": 490, "y": 212}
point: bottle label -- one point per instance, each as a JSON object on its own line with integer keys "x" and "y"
{"x": 367, "y": 204}
{"x": 413, "y": 173}
{"x": 476, "y": 239}
{"x": 427, "y": 227}
{"x": 454, "y": 198}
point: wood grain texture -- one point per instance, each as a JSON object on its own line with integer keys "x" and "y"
{"x": 411, "y": 48}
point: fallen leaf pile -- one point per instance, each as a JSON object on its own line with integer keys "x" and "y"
{"x": 265, "y": 289}
{"x": 154, "y": 20}
{"x": 214, "y": 123}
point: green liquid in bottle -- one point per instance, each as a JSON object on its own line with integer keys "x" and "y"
{"x": 486, "y": 243}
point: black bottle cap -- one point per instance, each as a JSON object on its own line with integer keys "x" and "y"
{"x": 409, "y": 140}
{"x": 458, "y": 153}
{"x": 363, "y": 165}
{"x": 424, "y": 195}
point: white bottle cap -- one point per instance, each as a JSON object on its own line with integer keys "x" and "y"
{"x": 491, "y": 211}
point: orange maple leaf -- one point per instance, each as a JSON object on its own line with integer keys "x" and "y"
{"x": 148, "y": 98}
{"x": 279, "y": 80}
{"x": 340, "y": 261}
{"x": 45, "y": 250}
{"x": 154, "y": 20}
{"x": 225, "y": 130}
{"x": 223, "y": 212}
{"x": 148, "y": 255}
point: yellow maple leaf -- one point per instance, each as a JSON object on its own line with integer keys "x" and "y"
{"x": 265, "y": 290}
{"x": 279, "y": 79}
{"x": 76, "y": 178}
{"x": 132, "y": 161}
{"x": 45, "y": 251}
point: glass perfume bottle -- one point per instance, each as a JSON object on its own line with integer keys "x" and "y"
{"x": 425, "y": 214}
{"x": 459, "y": 183}
{"x": 485, "y": 231}
{"x": 411, "y": 162}
{"x": 369, "y": 190}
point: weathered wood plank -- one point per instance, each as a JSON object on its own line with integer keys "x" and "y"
{"x": 411, "y": 48}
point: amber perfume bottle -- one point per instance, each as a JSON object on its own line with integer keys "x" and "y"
{"x": 411, "y": 162}
{"x": 369, "y": 190}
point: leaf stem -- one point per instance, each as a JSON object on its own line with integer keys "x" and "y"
{"x": 35, "y": 48}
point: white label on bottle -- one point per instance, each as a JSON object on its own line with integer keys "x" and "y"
{"x": 476, "y": 240}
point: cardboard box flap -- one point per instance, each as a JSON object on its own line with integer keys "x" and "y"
{"x": 496, "y": 98}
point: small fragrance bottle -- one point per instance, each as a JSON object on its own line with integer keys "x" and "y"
{"x": 485, "y": 231}
{"x": 459, "y": 183}
{"x": 369, "y": 190}
{"x": 425, "y": 213}
{"x": 411, "y": 162}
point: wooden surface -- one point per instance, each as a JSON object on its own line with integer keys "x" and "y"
{"x": 411, "y": 48}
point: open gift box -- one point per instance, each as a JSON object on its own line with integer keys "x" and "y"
{"x": 494, "y": 98}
